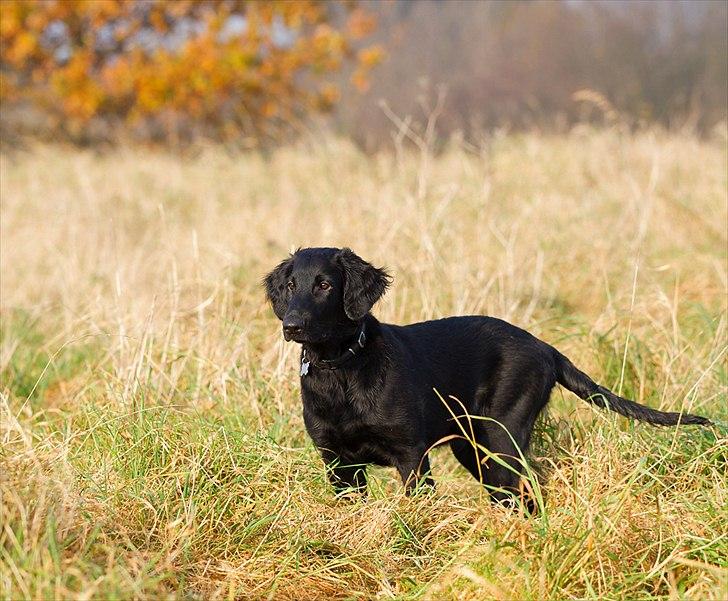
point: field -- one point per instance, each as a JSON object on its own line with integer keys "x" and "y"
{"x": 152, "y": 439}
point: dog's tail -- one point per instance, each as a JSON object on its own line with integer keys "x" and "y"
{"x": 584, "y": 387}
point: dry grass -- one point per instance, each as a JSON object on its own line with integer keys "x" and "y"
{"x": 152, "y": 443}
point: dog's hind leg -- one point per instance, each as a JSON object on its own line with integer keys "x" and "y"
{"x": 469, "y": 452}
{"x": 507, "y": 434}
{"x": 476, "y": 456}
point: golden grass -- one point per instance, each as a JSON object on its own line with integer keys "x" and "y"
{"x": 152, "y": 443}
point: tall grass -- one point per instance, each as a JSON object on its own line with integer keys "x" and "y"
{"x": 152, "y": 440}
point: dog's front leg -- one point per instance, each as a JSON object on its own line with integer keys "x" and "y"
{"x": 346, "y": 479}
{"x": 414, "y": 469}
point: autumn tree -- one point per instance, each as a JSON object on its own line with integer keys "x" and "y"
{"x": 221, "y": 67}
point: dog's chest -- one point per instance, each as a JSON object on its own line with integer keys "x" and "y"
{"x": 336, "y": 398}
{"x": 343, "y": 423}
{"x": 338, "y": 408}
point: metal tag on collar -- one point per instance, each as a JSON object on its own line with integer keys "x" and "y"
{"x": 362, "y": 339}
{"x": 304, "y": 364}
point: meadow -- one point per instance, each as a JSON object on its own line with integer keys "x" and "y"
{"x": 152, "y": 439}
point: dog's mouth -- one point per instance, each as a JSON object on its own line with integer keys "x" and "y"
{"x": 299, "y": 338}
{"x": 320, "y": 335}
{"x": 304, "y": 337}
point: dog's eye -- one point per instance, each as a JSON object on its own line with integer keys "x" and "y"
{"x": 324, "y": 285}
{"x": 290, "y": 286}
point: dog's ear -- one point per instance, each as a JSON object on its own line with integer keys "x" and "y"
{"x": 275, "y": 286}
{"x": 364, "y": 284}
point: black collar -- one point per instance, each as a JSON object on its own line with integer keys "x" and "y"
{"x": 346, "y": 356}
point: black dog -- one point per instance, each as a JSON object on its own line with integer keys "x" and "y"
{"x": 386, "y": 394}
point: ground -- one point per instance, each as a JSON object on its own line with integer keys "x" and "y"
{"x": 152, "y": 440}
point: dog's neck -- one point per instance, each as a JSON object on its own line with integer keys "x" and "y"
{"x": 341, "y": 352}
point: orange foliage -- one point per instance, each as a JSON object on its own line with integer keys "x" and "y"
{"x": 220, "y": 63}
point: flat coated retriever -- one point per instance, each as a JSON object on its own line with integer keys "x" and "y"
{"x": 386, "y": 394}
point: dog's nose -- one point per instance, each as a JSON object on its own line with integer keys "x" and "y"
{"x": 292, "y": 326}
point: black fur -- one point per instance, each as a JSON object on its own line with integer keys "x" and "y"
{"x": 275, "y": 286}
{"x": 396, "y": 397}
{"x": 363, "y": 284}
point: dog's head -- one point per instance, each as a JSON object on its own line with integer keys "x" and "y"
{"x": 322, "y": 294}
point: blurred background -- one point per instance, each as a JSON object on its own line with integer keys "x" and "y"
{"x": 260, "y": 73}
